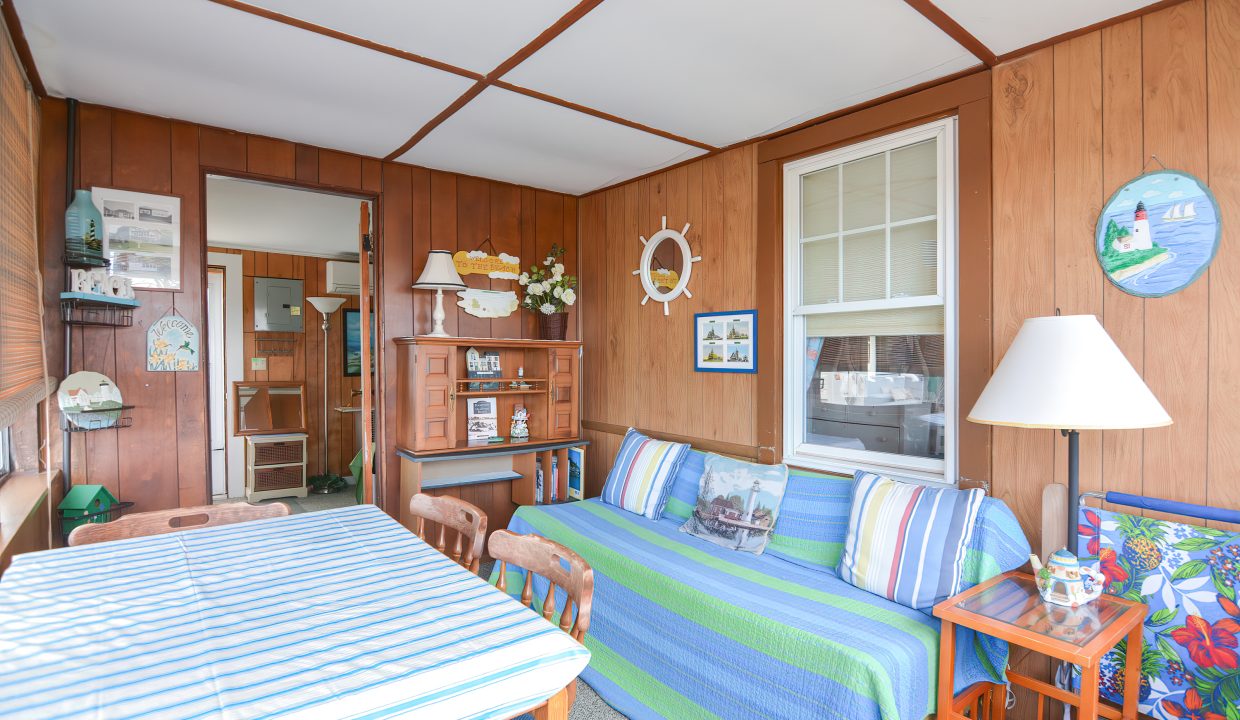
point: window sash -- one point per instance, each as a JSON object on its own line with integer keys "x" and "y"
{"x": 797, "y": 315}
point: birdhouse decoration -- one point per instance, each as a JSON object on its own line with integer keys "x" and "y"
{"x": 84, "y": 500}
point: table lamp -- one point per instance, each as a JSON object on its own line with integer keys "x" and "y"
{"x": 326, "y": 306}
{"x": 439, "y": 275}
{"x": 1065, "y": 373}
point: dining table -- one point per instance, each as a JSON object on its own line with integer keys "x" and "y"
{"x": 340, "y": 613}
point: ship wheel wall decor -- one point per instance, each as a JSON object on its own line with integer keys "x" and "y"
{"x": 671, "y": 284}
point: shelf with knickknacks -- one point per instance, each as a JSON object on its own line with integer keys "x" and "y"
{"x": 94, "y": 297}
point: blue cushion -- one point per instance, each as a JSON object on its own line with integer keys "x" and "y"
{"x": 685, "y": 485}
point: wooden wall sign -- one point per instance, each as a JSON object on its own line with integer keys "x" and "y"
{"x": 477, "y": 262}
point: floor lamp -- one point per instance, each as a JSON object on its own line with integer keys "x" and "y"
{"x": 1065, "y": 373}
{"x": 326, "y": 306}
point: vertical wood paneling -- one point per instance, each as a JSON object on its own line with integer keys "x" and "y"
{"x": 1077, "y": 202}
{"x": 1024, "y": 258}
{"x": 1122, "y": 158}
{"x": 1223, "y": 60}
{"x": 222, "y": 149}
{"x": 191, "y": 387}
{"x": 1177, "y": 327}
{"x": 473, "y": 229}
{"x": 277, "y": 158}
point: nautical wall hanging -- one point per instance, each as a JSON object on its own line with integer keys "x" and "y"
{"x": 90, "y": 400}
{"x": 488, "y": 303}
{"x": 500, "y": 266}
{"x": 667, "y": 262}
{"x": 1158, "y": 233}
{"x": 172, "y": 345}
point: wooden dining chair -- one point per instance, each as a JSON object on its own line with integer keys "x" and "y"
{"x": 539, "y": 556}
{"x": 468, "y": 523}
{"x": 160, "y": 522}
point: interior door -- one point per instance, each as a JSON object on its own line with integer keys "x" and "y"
{"x": 216, "y": 382}
{"x": 366, "y": 255}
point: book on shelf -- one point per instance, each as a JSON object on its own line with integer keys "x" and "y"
{"x": 576, "y": 473}
{"x": 540, "y": 479}
{"x": 482, "y": 422}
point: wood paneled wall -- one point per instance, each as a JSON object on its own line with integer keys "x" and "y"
{"x": 1072, "y": 123}
{"x": 638, "y": 365}
{"x": 305, "y": 364}
{"x": 161, "y": 461}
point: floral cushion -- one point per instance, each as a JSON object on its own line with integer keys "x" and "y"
{"x": 1190, "y": 662}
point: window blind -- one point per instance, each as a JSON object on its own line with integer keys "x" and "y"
{"x": 23, "y": 380}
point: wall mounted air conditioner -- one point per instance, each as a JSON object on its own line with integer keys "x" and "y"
{"x": 344, "y": 278}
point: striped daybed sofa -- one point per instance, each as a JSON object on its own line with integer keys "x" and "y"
{"x": 682, "y": 628}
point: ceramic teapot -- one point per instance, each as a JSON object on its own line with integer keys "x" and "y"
{"x": 1064, "y": 581}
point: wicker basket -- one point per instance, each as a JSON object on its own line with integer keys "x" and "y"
{"x": 553, "y": 326}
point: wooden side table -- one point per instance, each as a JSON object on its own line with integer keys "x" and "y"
{"x": 1008, "y": 607}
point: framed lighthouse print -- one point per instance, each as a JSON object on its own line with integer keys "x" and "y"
{"x": 726, "y": 341}
{"x": 1158, "y": 233}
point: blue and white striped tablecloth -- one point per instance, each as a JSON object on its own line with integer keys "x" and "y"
{"x": 335, "y": 614}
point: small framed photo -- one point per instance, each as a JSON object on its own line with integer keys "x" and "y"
{"x": 142, "y": 237}
{"x": 726, "y": 341}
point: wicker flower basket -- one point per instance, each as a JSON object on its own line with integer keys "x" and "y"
{"x": 553, "y": 326}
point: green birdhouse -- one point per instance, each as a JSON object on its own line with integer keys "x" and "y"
{"x": 83, "y": 500}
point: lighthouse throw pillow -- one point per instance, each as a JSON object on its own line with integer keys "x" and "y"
{"x": 737, "y": 503}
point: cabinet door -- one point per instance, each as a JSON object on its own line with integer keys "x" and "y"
{"x": 562, "y": 391}
{"x": 434, "y": 375}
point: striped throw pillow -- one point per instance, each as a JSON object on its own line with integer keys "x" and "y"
{"x": 641, "y": 477}
{"x": 908, "y": 542}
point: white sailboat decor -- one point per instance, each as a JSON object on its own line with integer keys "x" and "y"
{"x": 1181, "y": 211}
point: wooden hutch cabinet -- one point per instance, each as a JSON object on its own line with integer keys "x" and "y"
{"x": 434, "y": 388}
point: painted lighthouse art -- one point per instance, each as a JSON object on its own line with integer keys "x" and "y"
{"x": 1157, "y": 234}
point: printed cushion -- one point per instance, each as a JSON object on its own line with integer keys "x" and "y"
{"x": 908, "y": 543}
{"x": 737, "y": 504}
{"x": 1190, "y": 659}
{"x": 642, "y": 474}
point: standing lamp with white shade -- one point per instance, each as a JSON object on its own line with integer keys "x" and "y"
{"x": 1065, "y": 373}
{"x": 326, "y": 306}
{"x": 439, "y": 275}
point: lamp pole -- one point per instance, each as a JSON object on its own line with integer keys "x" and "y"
{"x": 1074, "y": 485}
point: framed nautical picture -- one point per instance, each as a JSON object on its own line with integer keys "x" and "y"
{"x": 142, "y": 237}
{"x": 726, "y": 341}
{"x": 1158, "y": 233}
{"x": 353, "y": 342}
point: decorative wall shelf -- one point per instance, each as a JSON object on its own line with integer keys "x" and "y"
{"x": 75, "y": 260}
{"x": 104, "y": 421}
{"x": 75, "y": 309}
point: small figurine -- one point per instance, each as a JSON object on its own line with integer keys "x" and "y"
{"x": 1064, "y": 581}
{"x": 520, "y": 424}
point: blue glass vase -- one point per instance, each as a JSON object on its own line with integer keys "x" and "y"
{"x": 83, "y": 229}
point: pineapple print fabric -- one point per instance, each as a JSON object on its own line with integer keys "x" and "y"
{"x": 1190, "y": 663}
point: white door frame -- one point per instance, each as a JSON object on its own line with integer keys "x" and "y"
{"x": 234, "y": 362}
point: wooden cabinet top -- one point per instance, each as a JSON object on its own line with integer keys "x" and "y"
{"x": 487, "y": 342}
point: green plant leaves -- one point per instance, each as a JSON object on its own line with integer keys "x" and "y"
{"x": 1162, "y": 617}
{"x": 1190, "y": 569}
{"x": 1196, "y": 544}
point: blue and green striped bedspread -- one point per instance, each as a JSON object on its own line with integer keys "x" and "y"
{"x": 685, "y": 629}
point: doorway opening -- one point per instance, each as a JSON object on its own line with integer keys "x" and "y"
{"x": 285, "y": 294}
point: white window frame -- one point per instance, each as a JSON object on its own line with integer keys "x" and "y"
{"x": 830, "y": 459}
{"x": 6, "y": 452}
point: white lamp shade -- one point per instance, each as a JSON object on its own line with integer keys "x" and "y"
{"x": 439, "y": 273}
{"x": 1066, "y": 373}
{"x": 326, "y": 305}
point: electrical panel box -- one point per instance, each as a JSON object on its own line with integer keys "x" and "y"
{"x": 277, "y": 305}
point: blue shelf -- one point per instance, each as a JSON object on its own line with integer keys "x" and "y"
{"x": 472, "y": 479}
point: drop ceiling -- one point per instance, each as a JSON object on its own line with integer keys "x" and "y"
{"x": 557, "y": 94}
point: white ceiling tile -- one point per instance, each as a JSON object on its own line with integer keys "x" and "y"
{"x": 1007, "y": 25}
{"x": 477, "y": 35}
{"x": 506, "y": 136}
{"x": 210, "y": 64}
{"x": 261, "y": 216}
{"x": 720, "y": 71}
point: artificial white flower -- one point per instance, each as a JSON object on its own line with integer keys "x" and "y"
{"x": 547, "y": 308}
{"x": 558, "y": 292}
{"x": 537, "y": 289}
{"x": 549, "y": 261}
{"x": 558, "y": 269}
{"x": 524, "y": 279}
{"x": 569, "y": 297}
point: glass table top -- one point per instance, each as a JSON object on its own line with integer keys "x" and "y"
{"x": 1015, "y": 601}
